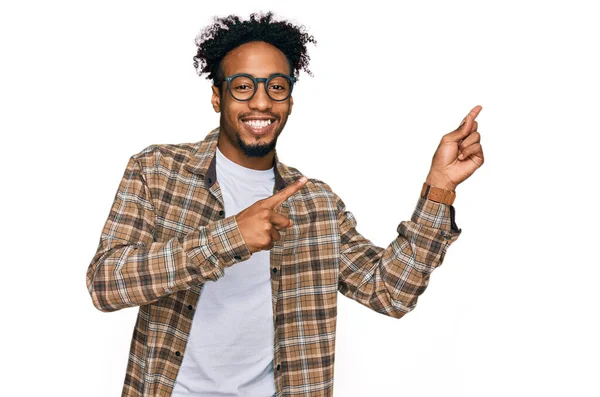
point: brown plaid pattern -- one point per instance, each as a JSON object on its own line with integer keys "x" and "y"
{"x": 167, "y": 234}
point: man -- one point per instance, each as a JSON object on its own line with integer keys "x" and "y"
{"x": 235, "y": 259}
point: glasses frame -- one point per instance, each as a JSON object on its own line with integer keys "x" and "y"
{"x": 257, "y": 80}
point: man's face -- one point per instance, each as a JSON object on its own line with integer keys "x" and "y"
{"x": 259, "y": 59}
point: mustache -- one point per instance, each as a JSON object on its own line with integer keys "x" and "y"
{"x": 276, "y": 117}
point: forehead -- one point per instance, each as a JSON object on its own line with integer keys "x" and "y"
{"x": 257, "y": 58}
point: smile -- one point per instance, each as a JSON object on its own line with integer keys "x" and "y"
{"x": 258, "y": 123}
{"x": 259, "y": 127}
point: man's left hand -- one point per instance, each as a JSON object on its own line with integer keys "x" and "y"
{"x": 458, "y": 155}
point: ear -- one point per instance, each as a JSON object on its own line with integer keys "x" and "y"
{"x": 291, "y": 105}
{"x": 216, "y": 98}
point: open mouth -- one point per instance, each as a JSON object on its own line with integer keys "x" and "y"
{"x": 259, "y": 127}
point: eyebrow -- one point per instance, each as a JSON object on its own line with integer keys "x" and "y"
{"x": 272, "y": 74}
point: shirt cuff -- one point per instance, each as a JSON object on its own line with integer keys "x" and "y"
{"x": 226, "y": 241}
{"x": 436, "y": 215}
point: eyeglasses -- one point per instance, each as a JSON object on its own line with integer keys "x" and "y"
{"x": 243, "y": 86}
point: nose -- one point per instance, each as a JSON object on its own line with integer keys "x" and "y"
{"x": 260, "y": 101}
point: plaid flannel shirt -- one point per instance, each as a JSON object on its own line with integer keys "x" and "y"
{"x": 166, "y": 235}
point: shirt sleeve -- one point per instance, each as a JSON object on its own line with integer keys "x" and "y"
{"x": 130, "y": 268}
{"x": 390, "y": 280}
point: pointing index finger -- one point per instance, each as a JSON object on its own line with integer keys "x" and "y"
{"x": 475, "y": 111}
{"x": 278, "y": 198}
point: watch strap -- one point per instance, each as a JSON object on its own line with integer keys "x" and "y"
{"x": 437, "y": 194}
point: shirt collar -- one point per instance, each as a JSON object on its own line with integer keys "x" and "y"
{"x": 204, "y": 162}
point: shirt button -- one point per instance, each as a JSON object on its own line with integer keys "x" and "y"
{"x": 238, "y": 257}
{"x": 278, "y": 366}
{"x": 177, "y": 354}
{"x": 190, "y": 307}
{"x": 221, "y": 213}
{"x": 274, "y": 270}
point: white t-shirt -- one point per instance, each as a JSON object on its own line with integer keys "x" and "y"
{"x": 230, "y": 349}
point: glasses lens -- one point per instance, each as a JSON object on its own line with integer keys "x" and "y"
{"x": 242, "y": 88}
{"x": 279, "y": 88}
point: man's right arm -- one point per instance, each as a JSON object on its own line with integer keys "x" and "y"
{"x": 131, "y": 269}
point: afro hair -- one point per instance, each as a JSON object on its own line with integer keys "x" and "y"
{"x": 227, "y": 33}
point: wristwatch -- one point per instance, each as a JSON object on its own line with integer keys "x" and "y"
{"x": 437, "y": 194}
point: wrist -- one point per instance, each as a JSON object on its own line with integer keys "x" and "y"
{"x": 440, "y": 182}
{"x": 437, "y": 194}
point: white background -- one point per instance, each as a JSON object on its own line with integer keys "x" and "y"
{"x": 512, "y": 310}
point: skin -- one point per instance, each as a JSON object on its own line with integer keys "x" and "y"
{"x": 458, "y": 155}
{"x": 258, "y": 59}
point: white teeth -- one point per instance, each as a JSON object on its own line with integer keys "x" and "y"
{"x": 258, "y": 123}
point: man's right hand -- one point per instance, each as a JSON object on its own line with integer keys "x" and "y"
{"x": 258, "y": 223}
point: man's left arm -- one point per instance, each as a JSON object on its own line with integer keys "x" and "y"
{"x": 390, "y": 280}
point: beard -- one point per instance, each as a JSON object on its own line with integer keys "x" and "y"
{"x": 257, "y": 149}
